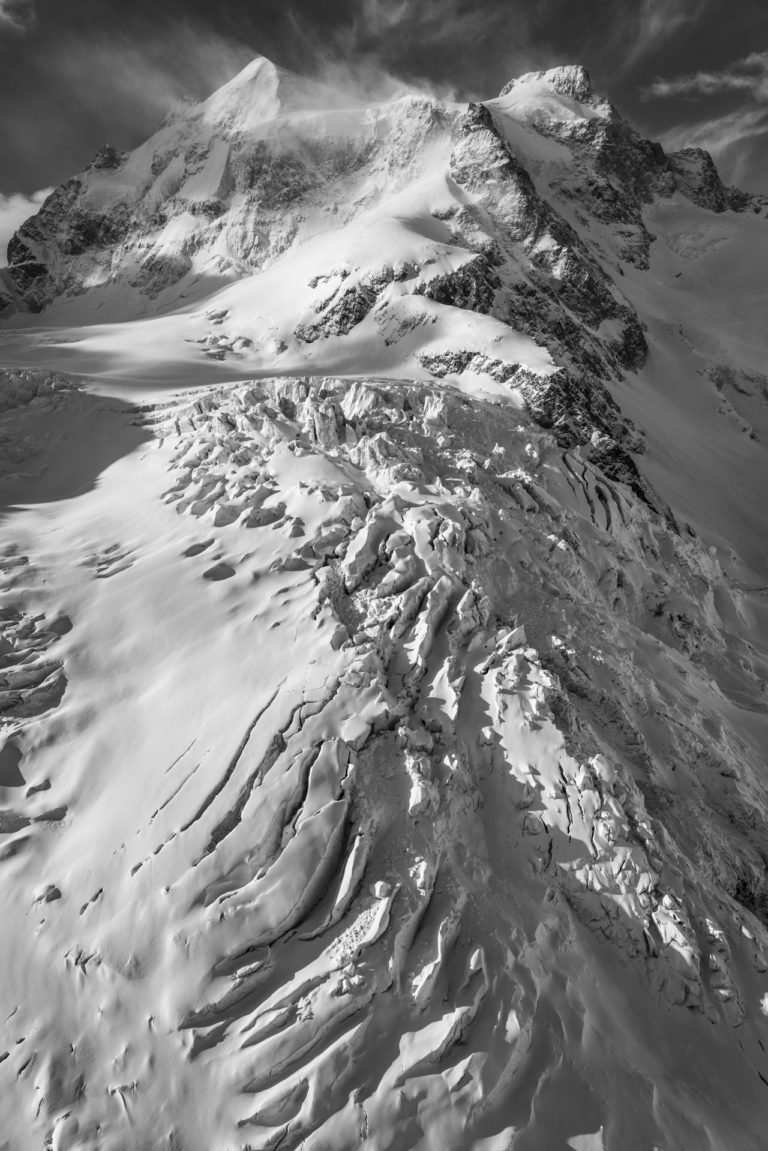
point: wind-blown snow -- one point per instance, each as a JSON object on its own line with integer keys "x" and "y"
{"x": 383, "y": 637}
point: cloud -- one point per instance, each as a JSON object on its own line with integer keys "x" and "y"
{"x": 737, "y": 138}
{"x": 16, "y": 15}
{"x": 748, "y": 75}
{"x": 14, "y": 210}
{"x": 643, "y": 25}
{"x": 388, "y": 22}
{"x": 659, "y": 19}
{"x": 391, "y": 46}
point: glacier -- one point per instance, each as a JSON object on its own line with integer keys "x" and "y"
{"x": 384, "y": 635}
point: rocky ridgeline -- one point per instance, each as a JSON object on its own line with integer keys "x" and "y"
{"x": 266, "y": 180}
{"x": 214, "y": 186}
{"x": 615, "y": 172}
{"x": 489, "y": 595}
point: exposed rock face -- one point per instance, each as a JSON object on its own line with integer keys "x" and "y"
{"x": 615, "y": 171}
{"x": 107, "y": 157}
{"x": 557, "y": 291}
{"x": 472, "y": 286}
{"x": 697, "y": 178}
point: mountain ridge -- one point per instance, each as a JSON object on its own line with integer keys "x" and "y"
{"x": 253, "y": 179}
{"x": 384, "y": 648}
{"x": 249, "y": 104}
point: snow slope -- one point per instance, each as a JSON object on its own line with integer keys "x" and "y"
{"x": 384, "y": 636}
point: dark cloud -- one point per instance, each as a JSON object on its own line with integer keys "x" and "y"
{"x": 107, "y": 73}
{"x": 66, "y": 95}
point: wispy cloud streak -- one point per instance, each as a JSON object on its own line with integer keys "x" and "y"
{"x": 433, "y": 21}
{"x": 16, "y": 15}
{"x": 393, "y": 45}
{"x": 748, "y": 75}
{"x": 645, "y": 25}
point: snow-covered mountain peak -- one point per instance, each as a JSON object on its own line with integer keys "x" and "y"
{"x": 566, "y": 91}
{"x": 428, "y": 231}
{"x": 271, "y": 161}
{"x": 252, "y": 96}
{"x": 260, "y": 93}
{"x": 571, "y": 80}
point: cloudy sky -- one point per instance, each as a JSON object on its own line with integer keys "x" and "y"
{"x": 75, "y": 74}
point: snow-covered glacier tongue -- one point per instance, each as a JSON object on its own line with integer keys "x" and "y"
{"x": 384, "y": 635}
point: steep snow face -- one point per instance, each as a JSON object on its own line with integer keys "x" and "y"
{"x": 383, "y": 647}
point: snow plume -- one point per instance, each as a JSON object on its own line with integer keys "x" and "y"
{"x": 365, "y": 79}
{"x": 14, "y": 210}
{"x": 389, "y": 47}
{"x": 16, "y": 15}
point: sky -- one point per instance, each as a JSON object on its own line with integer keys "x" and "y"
{"x": 75, "y": 74}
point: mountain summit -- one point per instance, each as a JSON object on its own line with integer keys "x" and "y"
{"x": 271, "y": 159}
{"x": 521, "y": 212}
{"x": 571, "y": 80}
{"x": 260, "y": 93}
{"x": 384, "y": 639}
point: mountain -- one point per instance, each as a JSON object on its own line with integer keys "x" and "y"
{"x": 384, "y": 635}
